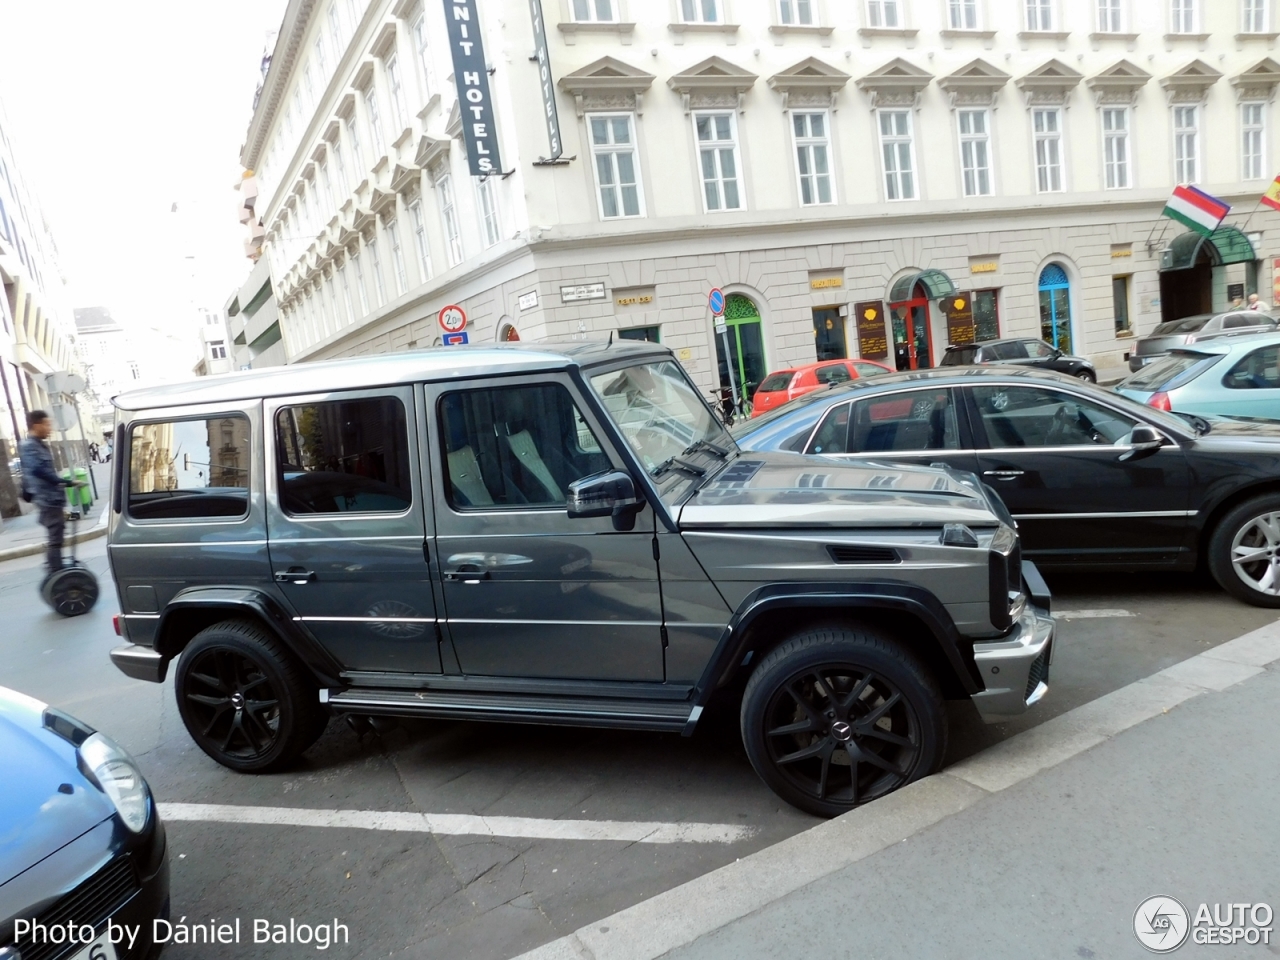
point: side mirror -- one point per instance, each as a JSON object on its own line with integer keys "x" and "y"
{"x": 1143, "y": 441}
{"x": 611, "y": 493}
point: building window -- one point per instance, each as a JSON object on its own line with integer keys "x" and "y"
{"x": 796, "y": 12}
{"x": 335, "y": 31}
{"x": 594, "y": 11}
{"x": 813, "y": 157}
{"x": 218, "y": 349}
{"x": 361, "y": 289}
{"x": 321, "y": 66}
{"x": 884, "y": 13}
{"x": 420, "y": 240}
{"x": 700, "y": 11}
{"x": 1255, "y": 17}
{"x": 1110, "y": 17}
{"x": 426, "y": 74}
{"x": 617, "y": 178}
{"x": 397, "y": 257}
{"x": 375, "y": 267}
{"x": 646, "y": 334}
{"x": 1183, "y": 17}
{"x": 962, "y": 14}
{"x": 309, "y": 86}
{"x": 1048, "y": 141}
{"x": 488, "y": 203}
{"x": 135, "y": 372}
{"x": 1039, "y": 15}
{"x": 345, "y": 284}
{"x": 1253, "y": 121}
{"x": 986, "y": 314}
{"x": 1115, "y": 148}
{"x": 449, "y": 216}
{"x": 340, "y": 182}
{"x": 396, "y": 89}
{"x": 375, "y": 120}
{"x": 899, "y": 155}
{"x": 357, "y": 154}
{"x": 1186, "y": 144}
{"x": 718, "y": 156}
{"x": 975, "y": 152}
{"x": 1120, "y": 303}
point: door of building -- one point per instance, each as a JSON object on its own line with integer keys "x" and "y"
{"x": 1055, "y": 307}
{"x": 912, "y": 339}
{"x": 744, "y": 366}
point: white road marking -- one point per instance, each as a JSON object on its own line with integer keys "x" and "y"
{"x": 455, "y": 824}
{"x": 1096, "y": 614}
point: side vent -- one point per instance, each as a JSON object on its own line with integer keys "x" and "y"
{"x": 848, "y": 554}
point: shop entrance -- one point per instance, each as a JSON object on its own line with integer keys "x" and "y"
{"x": 828, "y": 334}
{"x": 742, "y": 369}
{"x": 912, "y": 342}
{"x": 1187, "y": 270}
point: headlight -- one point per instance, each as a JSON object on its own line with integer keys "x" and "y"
{"x": 117, "y": 776}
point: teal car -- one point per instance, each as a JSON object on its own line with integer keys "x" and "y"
{"x": 1230, "y": 377}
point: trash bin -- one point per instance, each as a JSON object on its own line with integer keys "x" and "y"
{"x": 78, "y": 497}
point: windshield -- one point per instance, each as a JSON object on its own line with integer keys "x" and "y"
{"x": 1156, "y": 375}
{"x": 783, "y": 428}
{"x": 661, "y": 417}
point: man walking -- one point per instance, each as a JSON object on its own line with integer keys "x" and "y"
{"x": 42, "y": 483}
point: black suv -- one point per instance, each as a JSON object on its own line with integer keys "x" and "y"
{"x": 1020, "y": 351}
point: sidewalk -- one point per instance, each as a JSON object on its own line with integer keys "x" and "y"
{"x": 1043, "y": 846}
{"x": 24, "y": 537}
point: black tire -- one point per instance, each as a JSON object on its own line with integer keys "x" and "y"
{"x": 72, "y": 591}
{"x": 1241, "y": 528}
{"x": 827, "y": 755}
{"x": 1088, "y": 376}
{"x": 245, "y": 699}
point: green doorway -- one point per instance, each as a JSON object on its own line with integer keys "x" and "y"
{"x": 744, "y": 366}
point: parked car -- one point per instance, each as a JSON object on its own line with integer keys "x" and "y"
{"x": 1197, "y": 329}
{"x": 80, "y": 840}
{"x": 1019, "y": 351}
{"x": 1093, "y": 478}
{"x": 783, "y": 385}
{"x": 486, "y": 544}
{"x": 1224, "y": 377}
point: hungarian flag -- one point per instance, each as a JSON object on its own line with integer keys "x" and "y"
{"x": 1196, "y": 209}
{"x": 1272, "y": 197}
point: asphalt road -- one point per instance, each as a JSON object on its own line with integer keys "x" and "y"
{"x": 431, "y": 895}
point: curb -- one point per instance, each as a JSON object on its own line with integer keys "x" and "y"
{"x": 31, "y": 549}
{"x": 677, "y": 917}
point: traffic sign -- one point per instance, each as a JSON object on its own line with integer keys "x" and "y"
{"x": 716, "y": 302}
{"x": 453, "y": 319}
{"x": 455, "y": 339}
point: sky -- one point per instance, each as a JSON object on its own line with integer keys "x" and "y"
{"x": 119, "y": 110}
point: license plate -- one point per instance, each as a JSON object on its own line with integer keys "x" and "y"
{"x": 100, "y": 949}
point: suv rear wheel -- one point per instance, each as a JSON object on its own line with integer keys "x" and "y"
{"x": 1244, "y": 551}
{"x": 244, "y": 698}
{"x": 841, "y": 715}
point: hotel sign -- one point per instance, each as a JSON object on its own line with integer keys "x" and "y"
{"x": 471, "y": 76}
{"x": 545, "y": 81}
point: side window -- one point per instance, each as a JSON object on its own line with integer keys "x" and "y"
{"x": 1257, "y": 371}
{"x": 1040, "y": 417}
{"x": 832, "y": 373}
{"x": 189, "y": 469}
{"x": 921, "y": 420}
{"x": 833, "y": 435}
{"x": 515, "y": 446}
{"x": 1038, "y": 349}
{"x": 1011, "y": 350}
{"x": 344, "y": 456}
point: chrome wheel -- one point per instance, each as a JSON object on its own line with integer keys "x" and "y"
{"x": 1255, "y": 554}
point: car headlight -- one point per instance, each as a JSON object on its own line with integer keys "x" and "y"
{"x": 115, "y": 773}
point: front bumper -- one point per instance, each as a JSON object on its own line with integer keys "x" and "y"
{"x": 1015, "y": 668}
{"x": 141, "y": 663}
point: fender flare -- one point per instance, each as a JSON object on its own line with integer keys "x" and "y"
{"x": 871, "y": 595}
{"x": 256, "y": 604}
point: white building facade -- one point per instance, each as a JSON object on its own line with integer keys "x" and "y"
{"x": 867, "y": 177}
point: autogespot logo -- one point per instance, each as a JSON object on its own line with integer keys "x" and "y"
{"x": 1161, "y": 924}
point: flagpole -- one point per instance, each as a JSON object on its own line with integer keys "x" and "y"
{"x": 1256, "y": 207}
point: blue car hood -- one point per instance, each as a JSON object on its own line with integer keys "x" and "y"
{"x": 36, "y": 818}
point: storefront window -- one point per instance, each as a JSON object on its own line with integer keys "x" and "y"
{"x": 828, "y": 334}
{"x": 986, "y": 315}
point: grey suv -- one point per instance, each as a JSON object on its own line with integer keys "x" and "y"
{"x": 559, "y": 535}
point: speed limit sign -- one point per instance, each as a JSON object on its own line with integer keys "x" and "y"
{"x": 452, "y": 319}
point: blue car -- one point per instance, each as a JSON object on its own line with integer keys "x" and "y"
{"x": 83, "y": 867}
{"x": 1229, "y": 377}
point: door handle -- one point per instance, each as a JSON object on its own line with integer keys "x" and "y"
{"x": 295, "y": 575}
{"x": 466, "y": 576}
{"x": 1003, "y": 474}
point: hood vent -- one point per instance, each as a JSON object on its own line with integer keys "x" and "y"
{"x": 848, "y": 554}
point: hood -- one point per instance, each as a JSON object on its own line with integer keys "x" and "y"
{"x": 784, "y": 489}
{"x": 36, "y": 818}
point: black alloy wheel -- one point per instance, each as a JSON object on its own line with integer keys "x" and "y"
{"x": 71, "y": 592}
{"x": 244, "y": 699}
{"x": 838, "y": 716}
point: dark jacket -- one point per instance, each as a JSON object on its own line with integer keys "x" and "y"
{"x": 39, "y": 476}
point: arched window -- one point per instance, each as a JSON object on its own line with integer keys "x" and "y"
{"x": 1055, "y": 307}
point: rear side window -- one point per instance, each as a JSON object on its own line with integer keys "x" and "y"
{"x": 1239, "y": 320}
{"x": 189, "y": 469}
{"x": 921, "y": 420}
{"x": 1257, "y": 371}
{"x": 834, "y": 373}
{"x": 1011, "y": 350}
{"x": 344, "y": 456}
{"x": 865, "y": 369}
{"x": 775, "y": 382}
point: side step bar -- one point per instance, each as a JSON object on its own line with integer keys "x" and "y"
{"x": 555, "y": 711}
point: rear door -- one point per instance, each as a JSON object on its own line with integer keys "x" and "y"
{"x": 1251, "y": 388}
{"x": 347, "y": 529}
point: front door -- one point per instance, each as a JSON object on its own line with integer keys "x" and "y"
{"x": 347, "y": 530}
{"x": 529, "y": 592}
{"x": 1055, "y": 458}
{"x": 912, "y": 342}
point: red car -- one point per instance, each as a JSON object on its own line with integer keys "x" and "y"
{"x": 783, "y": 385}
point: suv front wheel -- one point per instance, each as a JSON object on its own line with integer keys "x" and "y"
{"x": 244, "y": 698}
{"x": 838, "y": 716}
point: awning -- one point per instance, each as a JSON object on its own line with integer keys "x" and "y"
{"x": 936, "y": 284}
{"x": 1225, "y": 245}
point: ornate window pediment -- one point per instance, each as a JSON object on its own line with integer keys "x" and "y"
{"x": 607, "y": 84}
{"x": 898, "y": 83}
{"x": 1190, "y": 84}
{"x": 1118, "y": 84}
{"x": 1049, "y": 84}
{"x": 809, "y": 83}
{"x": 1258, "y": 82}
{"x": 429, "y": 148}
{"x": 976, "y": 84}
{"x": 715, "y": 82}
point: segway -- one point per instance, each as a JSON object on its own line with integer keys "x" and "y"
{"x": 73, "y": 590}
